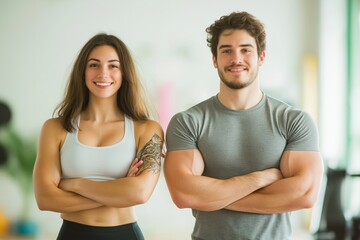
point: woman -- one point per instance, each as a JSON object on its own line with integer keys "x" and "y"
{"x": 101, "y": 155}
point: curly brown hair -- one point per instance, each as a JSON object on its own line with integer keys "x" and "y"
{"x": 130, "y": 97}
{"x": 240, "y": 21}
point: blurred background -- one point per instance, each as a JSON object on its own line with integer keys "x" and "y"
{"x": 312, "y": 62}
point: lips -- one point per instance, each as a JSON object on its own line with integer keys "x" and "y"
{"x": 236, "y": 69}
{"x": 103, "y": 84}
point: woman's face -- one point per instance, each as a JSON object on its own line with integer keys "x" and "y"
{"x": 103, "y": 76}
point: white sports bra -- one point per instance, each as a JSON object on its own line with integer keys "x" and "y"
{"x": 98, "y": 163}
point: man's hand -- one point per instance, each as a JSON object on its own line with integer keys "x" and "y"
{"x": 269, "y": 176}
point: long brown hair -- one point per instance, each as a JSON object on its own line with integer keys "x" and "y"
{"x": 130, "y": 97}
{"x": 240, "y": 21}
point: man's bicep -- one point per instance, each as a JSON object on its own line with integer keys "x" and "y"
{"x": 198, "y": 164}
{"x": 177, "y": 172}
{"x": 189, "y": 161}
{"x": 308, "y": 164}
{"x": 178, "y": 162}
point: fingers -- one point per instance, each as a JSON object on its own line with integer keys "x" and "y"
{"x": 137, "y": 162}
{"x": 134, "y": 168}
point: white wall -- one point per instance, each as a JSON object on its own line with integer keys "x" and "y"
{"x": 41, "y": 38}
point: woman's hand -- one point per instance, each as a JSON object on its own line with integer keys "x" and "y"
{"x": 67, "y": 184}
{"x": 134, "y": 167}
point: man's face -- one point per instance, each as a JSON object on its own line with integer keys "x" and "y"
{"x": 237, "y": 59}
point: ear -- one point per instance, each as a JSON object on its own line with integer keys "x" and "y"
{"x": 214, "y": 61}
{"x": 262, "y": 58}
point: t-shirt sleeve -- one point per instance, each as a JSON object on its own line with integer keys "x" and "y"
{"x": 181, "y": 132}
{"x": 302, "y": 132}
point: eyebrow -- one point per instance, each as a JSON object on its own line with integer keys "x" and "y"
{"x": 97, "y": 60}
{"x": 241, "y": 45}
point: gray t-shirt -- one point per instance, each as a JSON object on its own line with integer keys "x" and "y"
{"x": 235, "y": 143}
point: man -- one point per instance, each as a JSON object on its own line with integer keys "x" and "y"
{"x": 224, "y": 153}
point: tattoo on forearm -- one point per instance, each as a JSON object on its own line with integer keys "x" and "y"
{"x": 150, "y": 154}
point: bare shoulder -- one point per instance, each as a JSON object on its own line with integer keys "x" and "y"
{"x": 52, "y": 128}
{"x": 147, "y": 129}
{"x": 52, "y": 123}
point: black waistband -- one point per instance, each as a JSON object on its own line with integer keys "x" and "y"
{"x": 72, "y": 230}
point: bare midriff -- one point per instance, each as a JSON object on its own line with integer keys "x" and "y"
{"x": 102, "y": 216}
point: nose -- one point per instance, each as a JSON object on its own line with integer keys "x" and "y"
{"x": 103, "y": 73}
{"x": 236, "y": 59}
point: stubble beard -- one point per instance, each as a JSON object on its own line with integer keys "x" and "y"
{"x": 236, "y": 85}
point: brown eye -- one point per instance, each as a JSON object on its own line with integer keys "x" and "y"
{"x": 93, "y": 65}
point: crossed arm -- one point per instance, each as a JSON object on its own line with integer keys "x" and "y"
{"x": 205, "y": 193}
{"x": 70, "y": 195}
{"x": 267, "y": 191}
{"x": 302, "y": 171}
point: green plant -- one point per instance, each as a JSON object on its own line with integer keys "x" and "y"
{"x": 22, "y": 155}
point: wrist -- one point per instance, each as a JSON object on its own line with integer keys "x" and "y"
{"x": 257, "y": 179}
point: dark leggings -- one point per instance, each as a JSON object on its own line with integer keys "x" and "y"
{"x": 76, "y": 231}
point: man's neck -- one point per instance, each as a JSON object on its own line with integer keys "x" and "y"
{"x": 240, "y": 99}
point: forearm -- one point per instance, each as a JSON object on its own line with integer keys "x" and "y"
{"x": 209, "y": 194}
{"x": 57, "y": 200}
{"x": 288, "y": 194}
{"x": 120, "y": 193}
{"x": 303, "y": 171}
{"x": 190, "y": 189}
